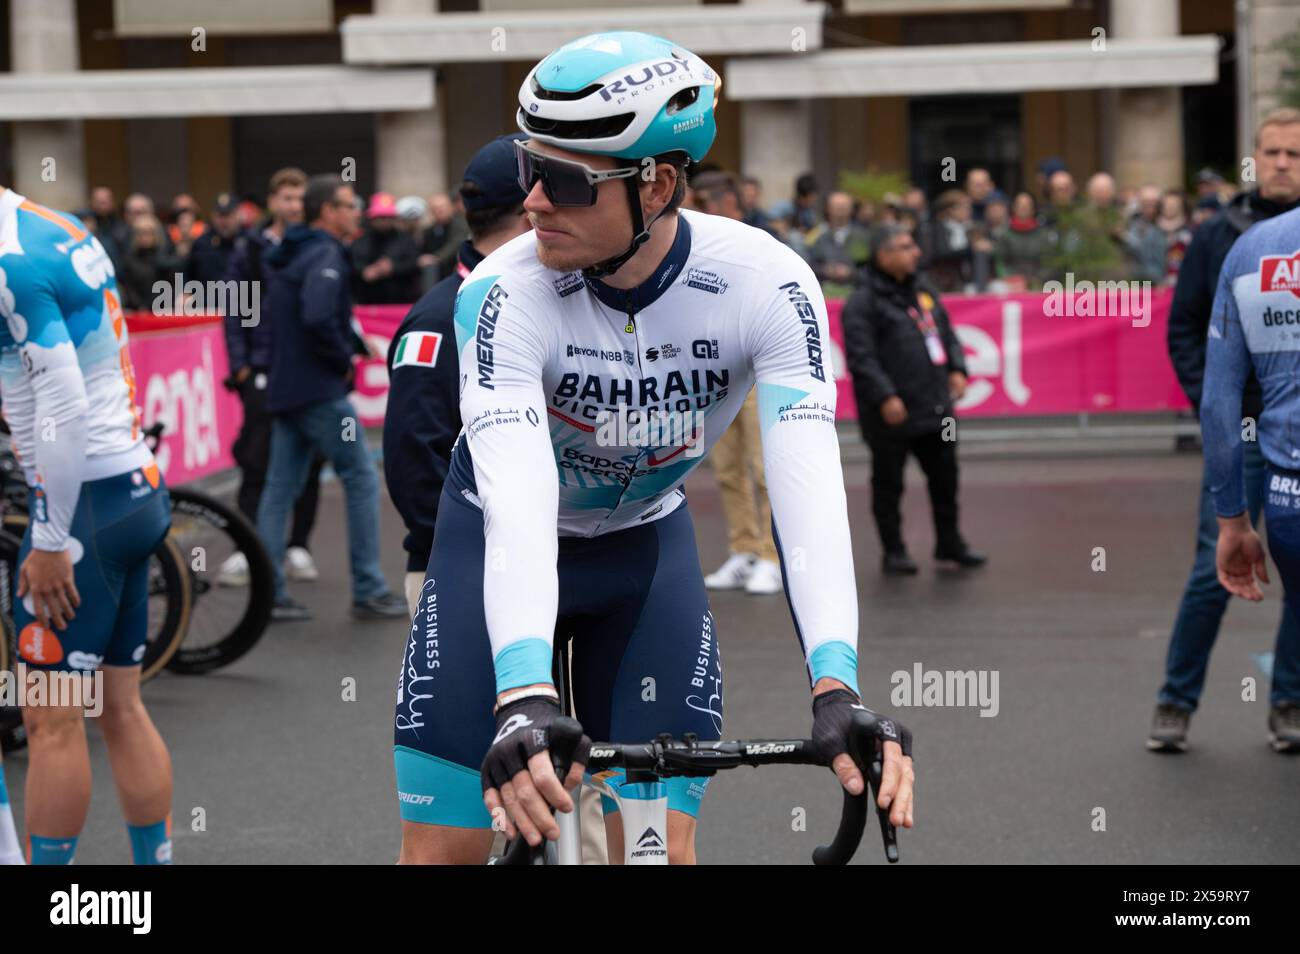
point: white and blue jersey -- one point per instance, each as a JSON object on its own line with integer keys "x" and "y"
{"x": 68, "y": 393}
{"x": 556, "y": 372}
{"x": 65, "y": 371}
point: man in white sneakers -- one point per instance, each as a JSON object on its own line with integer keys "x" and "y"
{"x": 738, "y": 455}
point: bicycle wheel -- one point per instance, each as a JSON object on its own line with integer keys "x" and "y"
{"x": 209, "y": 532}
{"x": 170, "y": 597}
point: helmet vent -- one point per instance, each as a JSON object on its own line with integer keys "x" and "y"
{"x": 604, "y": 128}
{"x": 562, "y": 96}
{"x": 687, "y": 97}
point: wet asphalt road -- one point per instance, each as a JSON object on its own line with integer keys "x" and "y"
{"x": 287, "y": 772}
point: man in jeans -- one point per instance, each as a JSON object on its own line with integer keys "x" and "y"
{"x": 1277, "y": 190}
{"x": 311, "y": 374}
{"x": 248, "y": 345}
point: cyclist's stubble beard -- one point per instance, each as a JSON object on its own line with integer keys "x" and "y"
{"x": 596, "y": 233}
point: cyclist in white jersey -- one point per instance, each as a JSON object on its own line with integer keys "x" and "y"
{"x": 594, "y": 375}
{"x": 99, "y": 507}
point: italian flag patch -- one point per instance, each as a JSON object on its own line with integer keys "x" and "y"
{"x": 418, "y": 348}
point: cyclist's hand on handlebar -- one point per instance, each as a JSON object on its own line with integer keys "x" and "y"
{"x": 519, "y": 782}
{"x": 834, "y": 706}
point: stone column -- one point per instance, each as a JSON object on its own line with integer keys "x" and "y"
{"x": 49, "y": 157}
{"x": 411, "y": 146}
{"x": 1148, "y": 141}
{"x": 776, "y": 138}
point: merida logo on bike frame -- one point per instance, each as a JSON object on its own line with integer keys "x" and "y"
{"x": 487, "y": 326}
{"x": 804, "y": 309}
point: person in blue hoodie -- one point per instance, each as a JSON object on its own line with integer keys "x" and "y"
{"x": 311, "y": 374}
{"x": 423, "y": 416}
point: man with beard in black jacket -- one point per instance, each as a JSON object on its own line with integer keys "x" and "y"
{"x": 1277, "y": 190}
{"x": 908, "y": 369}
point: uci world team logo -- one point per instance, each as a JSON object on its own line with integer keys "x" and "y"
{"x": 1279, "y": 273}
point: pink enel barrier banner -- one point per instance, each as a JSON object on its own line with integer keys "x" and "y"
{"x": 1021, "y": 361}
{"x": 178, "y": 377}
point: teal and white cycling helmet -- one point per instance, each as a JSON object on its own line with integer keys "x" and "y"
{"x": 622, "y": 94}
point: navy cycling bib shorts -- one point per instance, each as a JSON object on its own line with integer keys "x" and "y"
{"x": 118, "y": 523}
{"x": 644, "y": 657}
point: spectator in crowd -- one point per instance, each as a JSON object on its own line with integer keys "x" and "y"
{"x": 1173, "y": 221}
{"x": 779, "y": 225}
{"x": 1144, "y": 240}
{"x": 1046, "y": 169}
{"x": 1018, "y": 252}
{"x": 146, "y": 263}
{"x": 311, "y": 373}
{"x": 423, "y": 417}
{"x": 1206, "y": 209}
{"x": 751, "y": 201}
{"x": 112, "y": 231}
{"x": 384, "y": 257}
{"x": 249, "y": 215}
{"x": 210, "y": 255}
{"x": 806, "y": 203}
{"x": 91, "y": 224}
{"x": 443, "y": 238}
{"x": 908, "y": 369}
{"x": 1209, "y": 184}
{"x": 980, "y": 189}
{"x": 946, "y": 243}
{"x": 716, "y": 193}
{"x": 1061, "y": 191}
{"x": 914, "y": 199}
{"x": 187, "y": 225}
{"x": 738, "y": 454}
{"x": 1101, "y": 192}
{"x": 138, "y": 204}
{"x": 838, "y": 246}
{"x": 249, "y": 350}
{"x": 997, "y": 216}
{"x": 1277, "y": 190}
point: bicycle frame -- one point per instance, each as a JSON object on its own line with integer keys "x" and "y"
{"x": 643, "y": 807}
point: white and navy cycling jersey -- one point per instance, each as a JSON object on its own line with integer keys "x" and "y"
{"x": 65, "y": 371}
{"x": 585, "y": 407}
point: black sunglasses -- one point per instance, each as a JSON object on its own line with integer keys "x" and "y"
{"x": 567, "y": 184}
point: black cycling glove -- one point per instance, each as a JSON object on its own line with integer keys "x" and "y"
{"x": 523, "y": 730}
{"x": 833, "y": 714}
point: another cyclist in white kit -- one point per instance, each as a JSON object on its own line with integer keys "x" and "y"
{"x": 563, "y": 513}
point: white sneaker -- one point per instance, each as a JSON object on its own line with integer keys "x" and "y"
{"x": 234, "y": 571}
{"x": 300, "y": 566}
{"x": 732, "y": 574}
{"x": 764, "y": 578}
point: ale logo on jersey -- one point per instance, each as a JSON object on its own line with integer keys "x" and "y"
{"x": 1279, "y": 273}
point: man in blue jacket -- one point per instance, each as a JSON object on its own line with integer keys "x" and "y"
{"x": 248, "y": 346}
{"x": 310, "y": 303}
{"x": 423, "y": 416}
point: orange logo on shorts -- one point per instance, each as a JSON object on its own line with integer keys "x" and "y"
{"x": 38, "y": 645}
{"x": 151, "y": 475}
